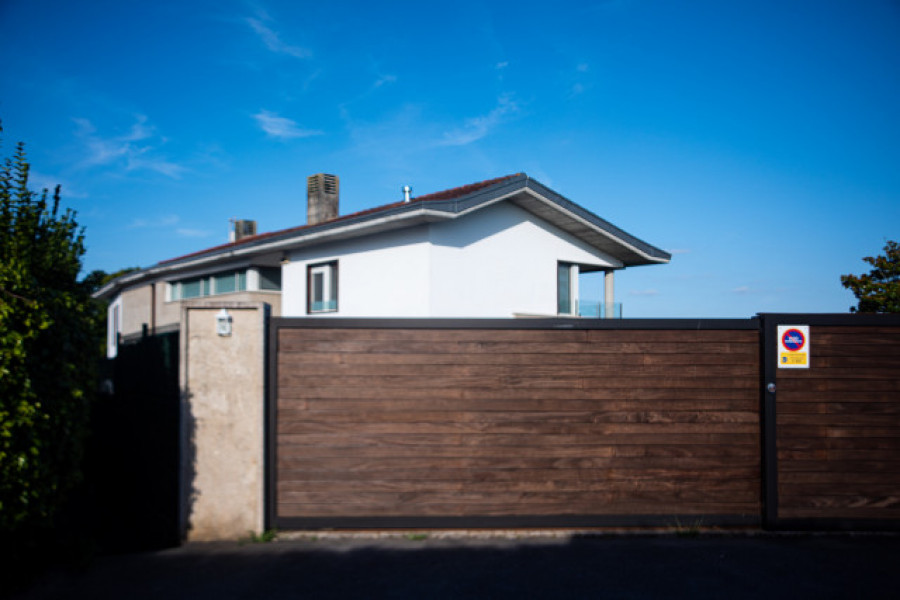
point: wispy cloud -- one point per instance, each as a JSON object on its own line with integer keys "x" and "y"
{"x": 679, "y": 251}
{"x": 155, "y": 222}
{"x": 133, "y": 151}
{"x": 281, "y": 127}
{"x": 42, "y": 181}
{"x": 501, "y": 65}
{"x": 192, "y": 233}
{"x": 385, "y": 79}
{"x": 579, "y": 85}
{"x": 273, "y": 40}
{"x": 743, "y": 289}
{"x": 478, "y": 127}
{"x": 647, "y": 292}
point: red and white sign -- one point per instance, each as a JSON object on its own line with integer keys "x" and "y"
{"x": 793, "y": 346}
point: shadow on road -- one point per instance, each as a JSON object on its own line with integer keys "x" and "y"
{"x": 578, "y": 567}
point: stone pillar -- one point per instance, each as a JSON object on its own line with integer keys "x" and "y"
{"x": 223, "y": 415}
{"x": 609, "y": 296}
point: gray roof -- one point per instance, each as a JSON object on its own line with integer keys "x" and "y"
{"x": 518, "y": 189}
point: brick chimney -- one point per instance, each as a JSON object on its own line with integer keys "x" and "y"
{"x": 241, "y": 228}
{"x": 322, "y": 192}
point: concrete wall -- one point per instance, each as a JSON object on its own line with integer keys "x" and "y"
{"x": 136, "y": 307}
{"x": 223, "y": 400}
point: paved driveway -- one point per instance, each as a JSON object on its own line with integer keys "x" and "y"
{"x": 730, "y": 567}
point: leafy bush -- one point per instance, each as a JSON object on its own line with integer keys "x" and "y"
{"x": 48, "y": 351}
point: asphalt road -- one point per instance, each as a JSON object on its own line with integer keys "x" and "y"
{"x": 633, "y": 567}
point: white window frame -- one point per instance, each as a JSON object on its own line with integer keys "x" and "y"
{"x": 113, "y": 328}
{"x": 329, "y": 273}
{"x": 573, "y": 289}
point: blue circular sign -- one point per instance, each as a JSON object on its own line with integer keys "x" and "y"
{"x": 793, "y": 340}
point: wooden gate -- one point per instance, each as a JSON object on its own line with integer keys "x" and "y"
{"x": 832, "y": 436}
{"x": 451, "y": 423}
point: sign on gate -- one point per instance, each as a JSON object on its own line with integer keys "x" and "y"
{"x": 793, "y": 346}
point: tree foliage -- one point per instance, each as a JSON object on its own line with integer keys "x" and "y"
{"x": 878, "y": 291}
{"x": 48, "y": 350}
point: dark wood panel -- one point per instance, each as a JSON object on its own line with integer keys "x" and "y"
{"x": 841, "y": 443}
{"x": 699, "y": 337}
{"x": 710, "y": 491}
{"x": 336, "y": 390}
{"x": 740, "y": 351}
{"x": 497, "y": 358}
{"x": 886, "y": 406}
{"x": 845, "y": 430}
{"x": 859, "y": 479}
{"x": 288, "y": 407}
{"x": 463, "y": 440}
{"x": 855, "y": 361}
{"x": 547, "y": 452}
{"x": 290, "y": 336}
{"x": 584, "y": 476}
{"x": 856, "y": 395}
{"x": 877, "y": 352}
{"x": 598, "y": 504}
{"x": 501, "y": 428}
{"x": 841, "y": 419}
{"x": 856, "y": 373}
{"x": 517, "y": 335}
{"x": 792, "y": 388}
{"x": 371, "y": 464}
{"x": 378, "y": 422}
{"x": 559, "y": 373}
{"x": 385, "y": 383}
{"x": 890, "y": 468}
{"x": 828, "y": 489}
{"x": 873, "y": 513}
{"x": 391, "y": 414}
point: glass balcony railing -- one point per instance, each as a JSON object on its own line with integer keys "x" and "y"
{"x": 597, "y": 310}
{"x": 324, "y": 306}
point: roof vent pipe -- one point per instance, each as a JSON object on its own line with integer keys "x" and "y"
{"x": 406, "y": 192}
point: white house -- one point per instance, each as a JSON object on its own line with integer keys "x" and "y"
{"x": 507, "y": 247}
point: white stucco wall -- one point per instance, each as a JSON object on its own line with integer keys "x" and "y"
{"x": 495, "y": 262}
{"x": 385, "y": 275}
{"x": 499, "y": 261}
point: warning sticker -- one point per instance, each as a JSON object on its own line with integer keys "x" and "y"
{"x": 793, "y": 346}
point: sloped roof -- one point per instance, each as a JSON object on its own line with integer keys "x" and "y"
{"x": 449, "y": 204}
{"x": 444, "y": 195}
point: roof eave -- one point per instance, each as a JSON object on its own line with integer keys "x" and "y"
{"x": 407, "y": 216}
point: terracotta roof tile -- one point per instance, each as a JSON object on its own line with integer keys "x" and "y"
{"x": 450, "y": 194}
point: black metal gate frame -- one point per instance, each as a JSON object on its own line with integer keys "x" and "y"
{"x": 765, "y": 323}
{"x": 769, "y": 323}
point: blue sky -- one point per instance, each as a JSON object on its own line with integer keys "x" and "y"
{"x": 756, "y": 141}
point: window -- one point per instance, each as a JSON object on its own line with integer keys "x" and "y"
{"x": 566, "y": 289}
{"x": 190, "y": 288}
{"x": 270, "y": 278}
{"x": 322, "y": 287}
{"x": 224, "y": 282}
{"x": 114, "y": 326}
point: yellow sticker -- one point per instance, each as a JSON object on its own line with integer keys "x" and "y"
{"x": 794, "y": 358}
